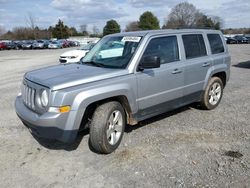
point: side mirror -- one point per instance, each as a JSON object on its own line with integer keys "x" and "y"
{"x": 149, "y": 62}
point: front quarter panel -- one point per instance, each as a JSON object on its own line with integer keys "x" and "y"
{"x": 81, "y": 96}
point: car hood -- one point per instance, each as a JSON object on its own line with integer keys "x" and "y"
{"x": 68, "y": 75}
{"x": 74, "y": 53}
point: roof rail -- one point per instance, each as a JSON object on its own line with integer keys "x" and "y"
{"x": 194, "y": 27}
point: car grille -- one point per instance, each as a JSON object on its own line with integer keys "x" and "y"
{"x": 28, "y": 96}
{"x": 62, "y": 60}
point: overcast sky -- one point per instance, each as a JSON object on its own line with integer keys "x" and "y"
{"x": 235, "y": 13}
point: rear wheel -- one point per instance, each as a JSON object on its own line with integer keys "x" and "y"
{"x": 107, "y": 127}
{"x": 213, "y": 94}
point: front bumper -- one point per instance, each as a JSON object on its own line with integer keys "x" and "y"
{"x": 48, "y": 125}
{"x": 68, "y": 60}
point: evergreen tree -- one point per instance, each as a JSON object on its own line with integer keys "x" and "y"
{"x": 60, "y": 31}
{"x": 111, "y": 27}
{"x": 148, "y": 21}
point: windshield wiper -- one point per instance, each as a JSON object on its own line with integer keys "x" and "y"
{"x": 93, "y": 63}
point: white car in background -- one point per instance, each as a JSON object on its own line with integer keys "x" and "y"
{"x": 74, "y": 56}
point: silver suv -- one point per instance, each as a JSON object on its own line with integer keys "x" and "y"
{"x": 124, "y": 79}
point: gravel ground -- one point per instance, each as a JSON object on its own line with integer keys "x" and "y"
{"x": 184, "y": 148}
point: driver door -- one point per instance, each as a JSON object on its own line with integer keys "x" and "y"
{"x": 161, "y": 89}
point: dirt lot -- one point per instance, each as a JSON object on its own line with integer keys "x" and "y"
{"x": 184, "y": 148}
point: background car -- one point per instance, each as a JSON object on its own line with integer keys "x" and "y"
{"x": 76, "y": 43}
{"x": 55, "y": 45}
{"x": 40, "y": 44}
{"x": 18, "y": 44}
{"x": 27, "y": 45}
{"x": 231, "y": 40}
{"x": 241, "y": 39}
{"x": 3, "y": 46}
{"x": 65, "y": 43}
{"x": 74, "y": 56}
{"x": 248, "y": 38}
{"x": 10, "y": 45}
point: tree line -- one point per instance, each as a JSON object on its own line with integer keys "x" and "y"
{"x": 183, "y": 15}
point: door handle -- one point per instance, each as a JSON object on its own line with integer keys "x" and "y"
{"x": 206, "y": 64}
{"x": 176, "y": 71}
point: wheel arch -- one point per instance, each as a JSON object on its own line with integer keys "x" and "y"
{"x": 122, "y": 99}
{"x": 222, "y": 76}
{"x": 86, "y": 102}
{"x": 219, "y": 71}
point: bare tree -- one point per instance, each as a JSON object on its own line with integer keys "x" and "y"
{"x": 218, "y": 22}
{"x": 31, "y": 23}
{"x": 22, "y": 33}
{"x": 183, "y": 15}
{"x": 132, "y": 26}
{"x": 96, "y": 31}
{"x": 2, "y": 30}
{"x": 83, "y": 28}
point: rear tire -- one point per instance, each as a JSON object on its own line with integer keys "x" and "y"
{"x": 107, "y": 127}
{"x": 212, "y": 95}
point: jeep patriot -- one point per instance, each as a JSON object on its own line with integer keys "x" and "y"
{"x": 125, "y": 78}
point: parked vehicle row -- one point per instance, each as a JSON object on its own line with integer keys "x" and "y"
{"x": 37, "y": 44}
{"x": 238, "y": 39}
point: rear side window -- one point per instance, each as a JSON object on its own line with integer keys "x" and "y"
{"x": 194, "y": 46}
{"x": 164, "y": 47}
{"x": 216, "y": 44}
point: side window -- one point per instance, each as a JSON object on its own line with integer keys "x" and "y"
{"x": 194, "y": 46}
{"x": 216, "y": 44}
{"x": 164, "y": 47}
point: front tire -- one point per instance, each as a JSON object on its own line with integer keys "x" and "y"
{"x": 107, "y": 127}
{"x": 213, "y": 94}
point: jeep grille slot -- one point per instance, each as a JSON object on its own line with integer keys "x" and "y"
{"x": 28, "y": 95}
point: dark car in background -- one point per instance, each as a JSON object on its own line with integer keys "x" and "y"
{"x": 27, "y": 45}
{"x": 241, "y": 39}
{"x": 18, "y": 44}
{"x": 248, "y": 38}
{"x": 230, "y": 40}
{"x": 3, "y": 46}
{"x": 11, "y": 45}
{"x": 40, "y": 44}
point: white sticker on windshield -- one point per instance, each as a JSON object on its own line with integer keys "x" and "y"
{"x": 131, "y": 39}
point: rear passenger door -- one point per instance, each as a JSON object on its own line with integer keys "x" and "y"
{"x": 196, "y": 66}
{"x": 161, "y": 88}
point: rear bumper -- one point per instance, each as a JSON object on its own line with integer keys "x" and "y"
{"x": 48, "y": 125}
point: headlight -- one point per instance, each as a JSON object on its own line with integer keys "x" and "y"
{"x": 44, "y": 98}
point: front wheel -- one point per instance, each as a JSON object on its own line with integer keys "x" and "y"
{"x": 107, "y": 127}
{"x": 213, "y": 94}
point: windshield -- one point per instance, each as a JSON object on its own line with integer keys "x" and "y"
{"x": 112, "y": 52}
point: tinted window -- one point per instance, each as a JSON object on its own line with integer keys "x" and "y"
{"x": 216, "y": 44}
{"x": 194, "y": 46}
{"x": 164, "y": 47}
